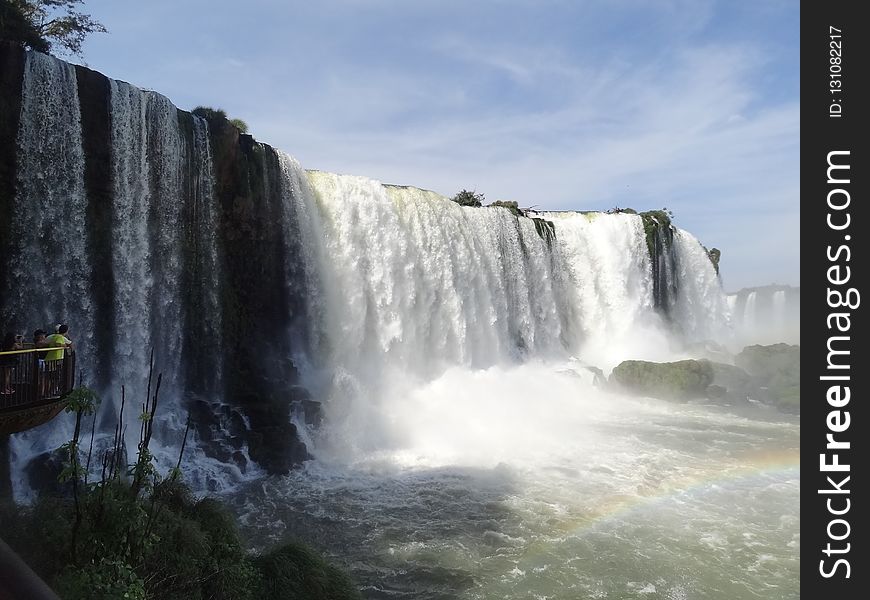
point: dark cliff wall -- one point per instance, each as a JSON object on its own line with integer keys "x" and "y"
{"x": 93, "y": 89}
{"x": 256, "y": 306}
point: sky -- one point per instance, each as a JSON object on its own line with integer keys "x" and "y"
{"x": 690, "y": 105}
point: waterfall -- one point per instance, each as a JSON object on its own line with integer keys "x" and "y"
{"x": 358, "y": 291}
{"x": 164, "y": 259}
{"x": 701, "y": 309}
{"x": 608, "y": 284}
{"x": 766, "y": 315}
{"x": 423, "y": 283}
{"x": 779, "y": 318}
{"x": 49, "y": 225}
{"x": 749, "y": 311}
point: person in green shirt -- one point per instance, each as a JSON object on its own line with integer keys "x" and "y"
{"x": 58, "y": 340}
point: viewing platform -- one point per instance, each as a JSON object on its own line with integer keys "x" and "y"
{"x": 33, "y": 389}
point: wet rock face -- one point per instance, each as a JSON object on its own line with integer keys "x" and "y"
{"x": 767, "y": 375}
{"x": 43, "y": 472}
{"x": 681, "y": 380}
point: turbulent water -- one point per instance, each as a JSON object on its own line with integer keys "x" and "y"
{"x": 466, "y": 450}
{"x": 528, "y": 482}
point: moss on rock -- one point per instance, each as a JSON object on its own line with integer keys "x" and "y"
{"x": 678, "y": 380}
{"x": 511, "y": 205}
{"x": 656, "y": 221}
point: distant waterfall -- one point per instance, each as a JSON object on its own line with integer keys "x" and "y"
{"x": 766, "y": 315}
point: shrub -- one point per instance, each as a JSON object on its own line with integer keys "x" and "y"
{"x": 240, "y": 125}
{"x": 467, "y": 198}
{"x": 207, "y": 112}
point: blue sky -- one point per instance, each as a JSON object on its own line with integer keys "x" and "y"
{"x": 691, "y": 105}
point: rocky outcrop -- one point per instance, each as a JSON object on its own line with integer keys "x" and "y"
{"x": 776, "y": 371}
{"x": 680, "y": 380}
{"x": 659, "y": 234}
{"x": 764, "y": 374}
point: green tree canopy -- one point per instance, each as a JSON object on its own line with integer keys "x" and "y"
{"x": 43, "y": 25}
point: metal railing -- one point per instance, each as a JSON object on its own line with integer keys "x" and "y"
{"x": 28, "y": 379}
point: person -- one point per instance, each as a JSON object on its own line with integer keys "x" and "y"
{"x": 54, "y": 358}
{"x": 58, "y": 340}
{"x": 39, "y": 341}
{"x": 8, "y": 362}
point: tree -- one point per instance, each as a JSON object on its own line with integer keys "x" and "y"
{"x": 466, "y": 198}
{"x": 43, "y": 24}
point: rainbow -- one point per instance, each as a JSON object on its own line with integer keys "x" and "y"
{"x": 755, "y": 465}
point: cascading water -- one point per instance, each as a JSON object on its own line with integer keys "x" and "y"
{"x": 163, "y": 223}
{"x": 49, "y": 259}
{"x": 701, "y": 309}
{"x": 49, "y": 228}
{"x": 471, "y": 455}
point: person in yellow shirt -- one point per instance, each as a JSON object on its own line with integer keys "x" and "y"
{"x": 58, "y": 340}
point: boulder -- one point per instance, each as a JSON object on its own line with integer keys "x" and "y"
{"x": 776, "y": 370}
{"x": 680, "y": 380}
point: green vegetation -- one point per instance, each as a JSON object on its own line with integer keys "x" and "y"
{"x": 207, "y": 112}
{"x": 468, "y": 198}
{"x": 240, "y": 125}
{"x": 679, "y": 380}
{"x": 512, "y": 206}
{"x": 653, "y": 221}
{"x": 135, "y": 534}
{"x": 219, "y": 114}
{"x": 42, "y": 25}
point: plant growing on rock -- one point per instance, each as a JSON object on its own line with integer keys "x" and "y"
{"x": 468, "y": 198}
{"x": 512, "y": 206}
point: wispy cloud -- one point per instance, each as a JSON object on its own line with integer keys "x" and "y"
{"x": 686, "y": 104}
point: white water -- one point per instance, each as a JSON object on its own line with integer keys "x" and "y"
{"x": 163, "y": 205}
{"x": 49, "y": 255}
{"x": 49, "y": 227}
{"x": 701, "y": 311}
{"x": 527, "y": 482}
{"x": 412, "y": 285}
{"x": 465, "y": 451}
